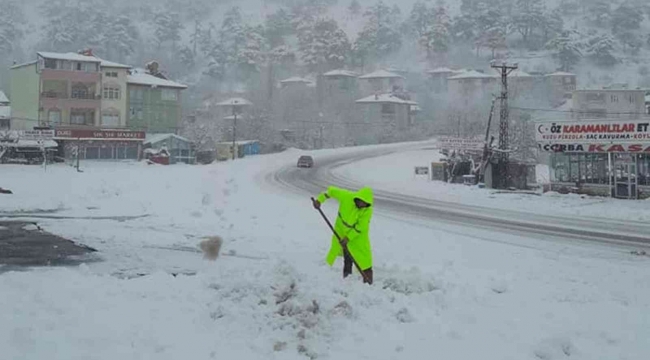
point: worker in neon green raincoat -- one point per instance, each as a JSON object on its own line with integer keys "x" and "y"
{"x": 352, "y": 225}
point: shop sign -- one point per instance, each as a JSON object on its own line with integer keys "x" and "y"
{"x": 27, "y": 134}
{"x": 593, "y": 132}
{"x": 460, "y": 144}
{"x": 598, "y": 148}
{"x": 83, "y": 134}
{"x": 421, "y": 170}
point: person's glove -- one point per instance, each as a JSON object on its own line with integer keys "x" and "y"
{"x": 316, "y": 204}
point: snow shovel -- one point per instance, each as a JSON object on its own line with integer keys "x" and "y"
{"x": 345, "y": 247}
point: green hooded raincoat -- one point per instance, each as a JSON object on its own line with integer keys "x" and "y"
{"x": 353, "y": 223}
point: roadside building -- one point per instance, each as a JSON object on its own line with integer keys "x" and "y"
{"x": 154, "y": 101}
{"x": 5, "y": 112}
{"x": 380, "y": 82}
{"x": 609, "y": 104}
{"x": 180, "y": 149}
{"x": 97, "y": 108}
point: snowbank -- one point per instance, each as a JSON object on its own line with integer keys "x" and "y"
{"x": 395, "y": 172}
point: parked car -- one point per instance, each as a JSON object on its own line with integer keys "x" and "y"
{"x": 305, "y": 161}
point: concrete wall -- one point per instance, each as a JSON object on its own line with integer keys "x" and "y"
{"x": 148, "y": 111}
{"x": 25, "y": 83}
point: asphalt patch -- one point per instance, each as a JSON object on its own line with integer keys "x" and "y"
{"x": 25, "y": 244}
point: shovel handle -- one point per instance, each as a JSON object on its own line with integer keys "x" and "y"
{"x": 344, "y": 246}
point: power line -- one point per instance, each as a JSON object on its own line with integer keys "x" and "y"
{"x": 577, "y": 111}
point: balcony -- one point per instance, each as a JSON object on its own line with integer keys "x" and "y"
{"x": 69, "y": 75}
{"x": 61, "y": 101}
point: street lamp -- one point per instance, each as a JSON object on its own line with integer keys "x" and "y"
{"x": 234, "y": 104}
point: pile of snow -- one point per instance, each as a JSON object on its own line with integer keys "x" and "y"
{"x": 395, "y": 172}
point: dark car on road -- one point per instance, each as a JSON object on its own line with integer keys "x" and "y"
{"x": 305, "y": 161}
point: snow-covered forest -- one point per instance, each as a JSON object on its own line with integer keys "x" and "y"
{"x": 246, "y": 47}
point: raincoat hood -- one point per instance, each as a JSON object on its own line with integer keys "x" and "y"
{"x": 365, "y": 194}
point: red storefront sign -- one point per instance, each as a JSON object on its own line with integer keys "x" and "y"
{"x": 85, "y": 134}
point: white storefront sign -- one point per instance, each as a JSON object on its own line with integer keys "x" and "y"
{"x": 421, "y": 170}
{"x": 593, "y": 132}
{"x": 460, "y": 144}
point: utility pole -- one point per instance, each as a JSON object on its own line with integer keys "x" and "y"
{"x": 502, "y": 166}
{"x": 234, "y": 132}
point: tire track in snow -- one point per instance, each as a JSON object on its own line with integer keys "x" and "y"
{"x": 604, "y": 231}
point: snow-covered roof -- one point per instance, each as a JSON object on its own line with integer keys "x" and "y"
{"x": 380, "y": 74}
{"x": 561, "y": 73}
{"x": 295, "y": 80}
{"x": 240, "y": 142}
{"x": 472, "y": 74}
{"x": 31, "y": 143}
{"x": 140, "y": 77}
{"x": 234, "y": 101}
{"x": 3, "y": 97}
{"x": 5, "y": 112}
{"x": 520, "y": 74}
{"x": 110, "y": 64}
{"x": 341, "y": 72}
{"x": 24, "y": 64}
{"x": 68, "y": 56}
{"x": 155, "y": 138}
{"x": 440, "y": 70}
{"x": 385, "y": 98}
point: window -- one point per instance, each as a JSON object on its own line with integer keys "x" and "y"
{"x": 631, "y": 97}
{"x": 82, "y": 117}
{"x": 112, "y": 74}
{"x": 583, "y": 168}
{"x": 614, "y": 98}
{"x": 111, "y": 119}
{"x": 5, "y": 124}
{"x": 112, "y": 92}
{"x": 50, "y": 64}
{"x": 169, "y": 95}
{"x": 80, "y": 91}
{"x": 595, "y": 97}
{"x": 54, "y": 117}
{"x": 135, "y": 112}
{"x": 388, "y": 108}
{"x": 136, "y": 94}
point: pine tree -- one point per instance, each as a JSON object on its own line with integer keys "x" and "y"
{"x": 12, "y": 20}
{"x": 491, "y": 29}
{"x": 626, "y": 22}
{"x": 278, "y": 27}
{"x": 601, "y": 48}
{"x": 380, "y": 36}
{"x": 598, "y": 12}
{"x": 441, "y": 29}
{"x": 232, "y": 35}
{"x": 323, "y": 46}
{"x": 420, "y": 24}
{"x": 552, "y": 25}
{"x": 528, "y": 17}
{"x": 251, "y": 55}
{"x": 355, "y": 8}
{"x": 568, "y": 49}
{"x": 120, "y": 37}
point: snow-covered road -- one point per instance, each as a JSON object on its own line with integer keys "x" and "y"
{"x": 443, "y": 290}
{"x": 401, "y": 199}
